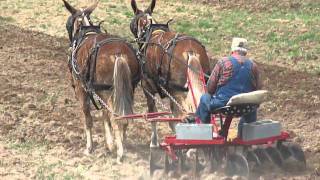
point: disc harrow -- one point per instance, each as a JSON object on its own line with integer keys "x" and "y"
{"x": 210, "y": 150}
{"x": 238, "y": 157}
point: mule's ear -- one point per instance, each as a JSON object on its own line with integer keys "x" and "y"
{"x": 91, "y": 8}
{"x": 71, "y": 9}
{"x": 151, "y": 7}
{"x": 134, "y": 7}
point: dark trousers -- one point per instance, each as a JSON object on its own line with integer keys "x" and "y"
{"x": 208, "y": 103}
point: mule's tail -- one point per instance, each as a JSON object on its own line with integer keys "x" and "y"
{"x": 195, "y": 84}
{"x": 123, "y": 90}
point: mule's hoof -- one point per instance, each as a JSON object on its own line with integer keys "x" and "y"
{"x": 88, "y": 151}
{"x": 119, "y": 160}
{"x": 111, "y": 148}
{"x": 152, "y": 145}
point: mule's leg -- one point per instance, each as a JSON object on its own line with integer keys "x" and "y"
{"x": 154, "y": 135}
{"x": 152, "y": 108}
{"x": 177, "y": 112}
{"x": 108, "y": 131}
{"x": 118, "y": 129}
{"x": 174, "y": 110}
{"x": 85, "y": 106}
{"x": 124, "y": 133}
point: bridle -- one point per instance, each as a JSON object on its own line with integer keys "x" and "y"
{"x": 81, "y": 17}
{"x": 135, "y": 28}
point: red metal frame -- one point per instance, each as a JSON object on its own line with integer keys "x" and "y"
{"x": 144, "y": 116}
{"x": 164, "y": 119}
{"x": 171, "y": 140}
{"x": 170, "y": 143}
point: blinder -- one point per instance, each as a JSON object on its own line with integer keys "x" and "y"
{"x": 69, "y": 26}
{"x": 70, "y": 23}
{"x": 134, "y": 24}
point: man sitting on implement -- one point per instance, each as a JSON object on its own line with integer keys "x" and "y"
{"x": 232, "y": 75}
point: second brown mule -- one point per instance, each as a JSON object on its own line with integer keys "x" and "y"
{"x": 169, "y": 58}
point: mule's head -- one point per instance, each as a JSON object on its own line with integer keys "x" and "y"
{"x": 142, "y": 19}
{"x": 78, "y": 18}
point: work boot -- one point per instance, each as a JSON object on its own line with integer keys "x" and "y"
{"x": 189, "y": 119}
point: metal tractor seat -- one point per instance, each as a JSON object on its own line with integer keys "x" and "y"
{"x": 236, "y": 110}
{"x": 242, "y": 104}
{"x": 238, "y": 106}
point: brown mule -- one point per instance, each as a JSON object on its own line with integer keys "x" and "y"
{"x": 106, "y": 65}
{"x": 169, "y": 58}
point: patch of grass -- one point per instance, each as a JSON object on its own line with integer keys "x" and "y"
{"x": 7, "y": 19}
{"x": 115, "y": 21}
{"x": 67, "y": 176}
{"x": 181, "y": 9}
{"x": 45, "y": 171}
{"x": 52, "y": 170}
{"x": 28, "y": 146}
{"x": 44, "y": 26}
{"x": 205, "y": 23}
{"x": 276, "y": 33}
{"x": 112, "y": 6}
{"x": 308, "y": 36}
{"x": 184, "y": 26}
{"x": 128, "y": 14}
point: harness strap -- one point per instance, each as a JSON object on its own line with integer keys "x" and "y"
{"x": 157, "y": 31}
{"x": 87, "y": 75}
{"x": 93, "y": 56}
{"x": 168, "y": 49}
{"x": 90, "y": 93}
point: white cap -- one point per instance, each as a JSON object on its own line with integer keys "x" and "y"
{"x": 239, "y": 44}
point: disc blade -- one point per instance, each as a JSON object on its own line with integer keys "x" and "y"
{"x": 252, "y": 157}
{"x": 261, "y": 154}
{"x": 275, "y": 156}
{"x": 298, "y": 154}
{"x": 237, "y": 164}
{"x": 284, "y": 150}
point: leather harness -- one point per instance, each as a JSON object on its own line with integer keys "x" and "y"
{"x": 87, "y": 77}
{"x": 167, "y": 49}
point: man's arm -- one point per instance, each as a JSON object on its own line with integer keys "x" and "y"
{"x": 214, "y": 78}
